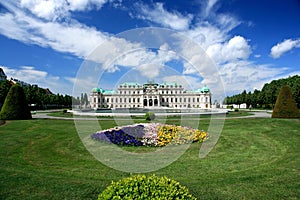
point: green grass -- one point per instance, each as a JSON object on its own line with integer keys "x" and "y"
{"x": 239, "y": 113}
{"x": 60, "y": 114}
{"x": 253, "y": 159}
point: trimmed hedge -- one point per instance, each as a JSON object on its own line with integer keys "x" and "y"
{"x": 15, "y": 106}
{"x": 143, "y": 187}
{"x": 285, "y": 106}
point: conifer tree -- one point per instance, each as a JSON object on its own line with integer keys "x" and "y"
{"x": 285, "y": 106}
{"x": 15, "y": 105}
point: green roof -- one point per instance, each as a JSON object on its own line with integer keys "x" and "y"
{"x": 97, "y": 90}
{"x": 109, "y": 92}
{"x": 204, "y": 89}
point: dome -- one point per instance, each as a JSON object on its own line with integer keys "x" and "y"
{"x": 204, "y": 89}
{"x": 97, "y": 90}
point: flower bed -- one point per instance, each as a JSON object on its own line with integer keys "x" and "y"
{"x": 150, "y": 134}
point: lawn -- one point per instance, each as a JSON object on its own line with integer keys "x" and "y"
{"x": 253, "y": 159}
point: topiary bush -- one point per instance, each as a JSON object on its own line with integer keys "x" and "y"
{"x": 285, "y": 106}
{"x": 15, "y": 105}
{"x": 149, "y": 116}
{"x": 143, "y": 187}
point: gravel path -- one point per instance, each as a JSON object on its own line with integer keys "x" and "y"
{"x": 42, "y": 115}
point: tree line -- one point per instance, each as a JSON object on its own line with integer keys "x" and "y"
{"x": 266, "y": 98}
{"x": 40, "y": 98}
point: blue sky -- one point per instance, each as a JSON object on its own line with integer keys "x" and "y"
{"x": 251, "y": 42}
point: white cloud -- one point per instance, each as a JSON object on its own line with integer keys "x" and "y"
{"x": 26, "y": 73}
{"x": 187, "y": 82}
{"x": 159, "y": 15}
{"x": 58, "y": 9}
{"x": 283, "y": 47}
{"x": 208, "y": 8}
{"x": 149, "y": 70}
{"x": 119, "y": 52}
{"x": 236, "y": 48}
{"x": 80, "y": 85}
{"x": 257, "y": 55}
{"x": 31, "y": 75}
{"x": 246, "y": 75}
{"x": 206, "y": 34}
{"x": 45, "y": 28}
{"x": 61, "y": 37}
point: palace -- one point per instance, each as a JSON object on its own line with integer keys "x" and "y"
{"x": 150, "y": 95}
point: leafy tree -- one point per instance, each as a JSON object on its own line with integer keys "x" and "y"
{"x": 86, "y": 100}
{"x": 4, "y": 88}
{"x": 285, "y": 106}
{"x": 15, "y": 105}
{"x": 255, "y": 98}
{"x": 267, "y": 96}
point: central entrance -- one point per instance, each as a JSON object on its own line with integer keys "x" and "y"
{"x": 150, "y": 102}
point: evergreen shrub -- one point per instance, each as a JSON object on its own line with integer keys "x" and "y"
{"x": 285, "y": 106}
{"x": 15, "y": 106}
{"x": 149, "y": 116}
{"x": 143, "y": 187}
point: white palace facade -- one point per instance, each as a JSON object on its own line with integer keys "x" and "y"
{"x": 150, "y": 95}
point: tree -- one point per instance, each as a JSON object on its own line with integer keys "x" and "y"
{"x": 4, "y": 88}
{"x": 15, "y": 105}
{"x": 266, "y": 98}
{"x": 86, "y": 100}
{"x": 285, "y": 106}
